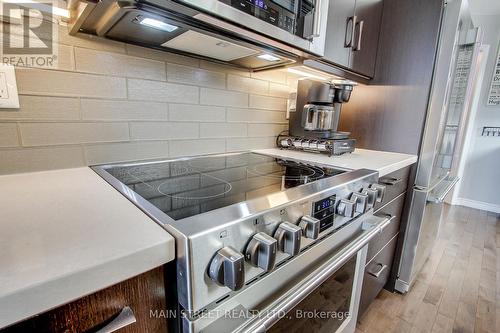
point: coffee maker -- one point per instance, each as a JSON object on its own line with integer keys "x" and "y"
{"x": 314, "y": 122}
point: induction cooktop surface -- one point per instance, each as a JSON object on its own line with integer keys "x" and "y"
{"x": 187, "y": 187}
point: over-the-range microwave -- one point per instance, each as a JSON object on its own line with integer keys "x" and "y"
{"x": 256, "y": 34}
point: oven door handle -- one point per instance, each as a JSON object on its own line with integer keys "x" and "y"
{"x": 275, "y": 311}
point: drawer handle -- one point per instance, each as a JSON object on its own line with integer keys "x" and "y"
{"x": 390, "y": 181}
{"x": 387, "y": 216}
{"x": 376, "y": 274}
{"x": 125, "y": 318}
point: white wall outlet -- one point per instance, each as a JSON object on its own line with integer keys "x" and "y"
{"x": 9, "y": 98}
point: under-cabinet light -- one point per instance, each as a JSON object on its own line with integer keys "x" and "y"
{"x": 156, "y": 24}
{"x": 268, "y": 57}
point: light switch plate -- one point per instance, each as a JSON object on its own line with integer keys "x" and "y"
{"x": 9, "y": 98}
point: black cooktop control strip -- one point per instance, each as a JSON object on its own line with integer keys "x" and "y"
{"x": 324, "y": 210}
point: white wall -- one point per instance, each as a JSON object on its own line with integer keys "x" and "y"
{"x": 480, "y": 187}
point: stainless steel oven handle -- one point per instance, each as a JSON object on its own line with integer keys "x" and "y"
{"x": 274, "y": 312}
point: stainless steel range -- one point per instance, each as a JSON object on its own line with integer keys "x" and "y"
{"x": 258, "y": 237}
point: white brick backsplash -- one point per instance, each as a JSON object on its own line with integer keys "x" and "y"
{"x": 139, "y": 51}
{"x": 195, "y": 76}
{"x": 278, "y": 76}
{"x": 107, "y": 101}
{"x": 34, "y": 159}
{"x": 242, "y": 144}
{"x": 54, "y": 83}
{"x": 43, "y": 108}
{"x": 256, "y": 130}
{"x": 146, "y": 90}
{"x": 196, "y": 147}
{"x": 8, "y": 135}
{"x": 92, "y": 61}
{"x": 267, "y": 103}
{"x": 163, "y": 130}
{"x": 100, "y": 109}
{"x": 89, "y": 41}
{"x": 279, "y": 90}
{"x": 292, "y": 79}
{"x": 255, "y": 116}
{"x": 190, "y": 112}
{"x": 222, "y": 130}
{"x": 246, "y": 84}
{"x": 223, "y": 97}
{"x": 125, "y": 151}
{"x": 214, "y": 66}
{"x": 41, "y": 134}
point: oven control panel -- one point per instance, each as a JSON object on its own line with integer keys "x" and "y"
{"x": 287, "y": 232}
{"x": 324, "y": 211}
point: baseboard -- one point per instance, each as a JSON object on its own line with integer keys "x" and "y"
{"x": 477, "y": 205}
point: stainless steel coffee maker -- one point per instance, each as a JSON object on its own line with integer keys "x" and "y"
{"x": 313, "y": 126}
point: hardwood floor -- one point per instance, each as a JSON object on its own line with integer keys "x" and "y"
{"x": 458, "y": 289}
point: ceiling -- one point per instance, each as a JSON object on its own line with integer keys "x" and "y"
{"x": 484, "y": 7}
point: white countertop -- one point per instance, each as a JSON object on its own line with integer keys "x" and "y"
{"x": 65, "y": 234}
{"x": 381, "y": 161}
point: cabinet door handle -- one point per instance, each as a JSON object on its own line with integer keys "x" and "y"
{"x": 125, "y": 318}
{"x": 357, "y": 47}
{"x": 390, "y": 181}
{"x": 350, "y": 26}
{"x": 379, "y": 271}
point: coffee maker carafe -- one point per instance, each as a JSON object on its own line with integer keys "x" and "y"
{"x": 314, "y": 124}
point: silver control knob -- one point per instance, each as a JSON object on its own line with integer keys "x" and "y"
{"x": 380, "y": 191}
{"x": 346, "y": 207}
{"x": 227, "y": 268}
{"x": 361, "y": 201}
{"x": 372, "y": 194}
{"x": 288, "y": 237}
{"x": 261, "y": 251}
{"x": 309, "y": 226}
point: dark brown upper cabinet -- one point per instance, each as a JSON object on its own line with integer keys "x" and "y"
{"x": 352, "y": 34}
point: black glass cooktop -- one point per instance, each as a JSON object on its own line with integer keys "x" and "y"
{"x": 188, "y": 187}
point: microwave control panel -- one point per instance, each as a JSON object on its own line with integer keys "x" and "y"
{"x": 279, "y": 13}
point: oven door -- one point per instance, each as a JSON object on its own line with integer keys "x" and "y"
{"x": 323, "y": 297}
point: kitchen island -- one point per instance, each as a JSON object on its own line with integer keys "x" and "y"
{"x": 65, "y": 234}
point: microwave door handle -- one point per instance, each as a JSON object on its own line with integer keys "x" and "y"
{"x": 316, "y": 26}
{"x": 372, "y": 226}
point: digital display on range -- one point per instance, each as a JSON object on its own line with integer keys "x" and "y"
{"x": 324, "y": 210}
{"x": 260, "y": 3}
